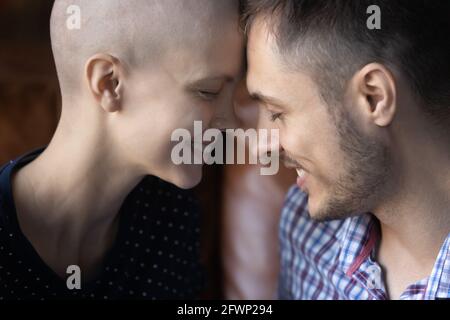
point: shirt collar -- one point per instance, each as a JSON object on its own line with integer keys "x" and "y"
{"x": 439, "y": 281}
{"x": 358, "y": 236}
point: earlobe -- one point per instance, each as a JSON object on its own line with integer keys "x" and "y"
{"x": 103, "y": 78}
{"x": 378, "y": 91}
{"x": 109, "y": 102}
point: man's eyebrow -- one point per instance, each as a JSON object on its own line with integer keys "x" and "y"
{"x": 258, "y": 96}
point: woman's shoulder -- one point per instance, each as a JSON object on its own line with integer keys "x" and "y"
{"x": 165, "y": 203}
{"x": 170, "y": 219}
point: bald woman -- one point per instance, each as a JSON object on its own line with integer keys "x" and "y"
{"x": 101, "y": 212}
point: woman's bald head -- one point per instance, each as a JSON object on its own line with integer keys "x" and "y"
{"x": 139, "y": 70}
{"x": 133, "y": 31}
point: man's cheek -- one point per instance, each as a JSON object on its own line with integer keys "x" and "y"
{"x": 293, "y": 144}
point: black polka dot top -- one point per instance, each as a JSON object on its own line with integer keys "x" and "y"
{"x": 155, "y": 254}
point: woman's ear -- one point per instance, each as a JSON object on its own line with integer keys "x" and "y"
{"x": 104, "y": 77}
{"x": 376, "y": 93}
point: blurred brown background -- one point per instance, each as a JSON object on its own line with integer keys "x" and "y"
{"x": 29, "y": 96}
{"x": 240, "y": 207}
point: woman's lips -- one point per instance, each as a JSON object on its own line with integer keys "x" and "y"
{"x": 301, "y": 178}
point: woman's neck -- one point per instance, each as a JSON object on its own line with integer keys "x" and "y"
{"x": 69, "y": 198}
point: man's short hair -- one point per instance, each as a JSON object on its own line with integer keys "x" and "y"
{"x": 331, "y": 39}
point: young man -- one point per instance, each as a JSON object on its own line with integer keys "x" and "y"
{"x": 130, "y": 75}
{"x": 364, "y": 117}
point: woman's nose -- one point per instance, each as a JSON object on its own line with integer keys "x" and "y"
{"x": 245, "y": 108}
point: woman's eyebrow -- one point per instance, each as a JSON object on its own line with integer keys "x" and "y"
{"x": 221, "y": 79}
{"x": 226, "y": 78}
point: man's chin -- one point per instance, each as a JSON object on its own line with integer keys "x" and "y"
{"x": 328, "y": 210}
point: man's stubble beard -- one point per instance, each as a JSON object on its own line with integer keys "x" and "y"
{"x": 367, "y": 177}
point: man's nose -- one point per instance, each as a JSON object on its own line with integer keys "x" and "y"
{"x": 270, "y": 147}
{"x": 268, "y": 139}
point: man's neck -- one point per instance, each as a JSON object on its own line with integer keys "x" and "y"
{"x": 69, "y": 198}
{"x": 415, "y": 220}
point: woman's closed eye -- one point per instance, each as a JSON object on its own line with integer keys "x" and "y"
{"x": 208, "y": 95}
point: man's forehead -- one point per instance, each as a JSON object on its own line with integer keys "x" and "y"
{"x": 260, "y": 32}
{"x": 263, "y": 64}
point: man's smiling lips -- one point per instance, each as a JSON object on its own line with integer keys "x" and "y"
{"x": 301, "y": 178}
{"x": 301, "y": 173}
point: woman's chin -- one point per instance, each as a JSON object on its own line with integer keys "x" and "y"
{"x": 188, "y": 177}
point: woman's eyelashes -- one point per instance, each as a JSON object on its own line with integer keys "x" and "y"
{"x": 208, "y": 95}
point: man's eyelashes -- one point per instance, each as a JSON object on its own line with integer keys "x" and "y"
{"x": 275, "y": 116}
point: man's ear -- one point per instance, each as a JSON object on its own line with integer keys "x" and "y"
{"x": 377, "y": 93}
{"x": 104, "y": 77}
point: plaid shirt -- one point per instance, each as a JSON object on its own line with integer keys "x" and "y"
{"x": 334, "y": 260}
